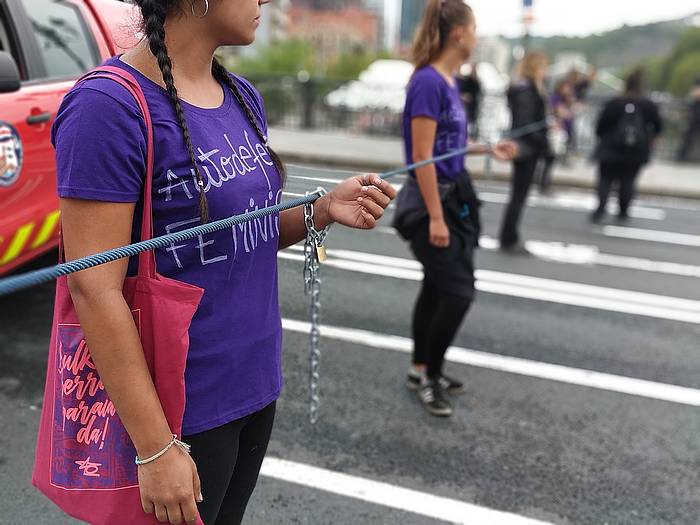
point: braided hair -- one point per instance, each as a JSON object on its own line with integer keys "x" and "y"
{"x": 154, "y": 13}
{"x": 221, "y": 74}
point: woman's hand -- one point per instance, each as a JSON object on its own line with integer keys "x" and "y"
{"x": 506, "y": 150}
{"x": 439, "y": 233}
{"x": 359, "y": 202}
{"x": 170, "y": 487}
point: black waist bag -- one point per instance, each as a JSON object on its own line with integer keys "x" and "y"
{"x": 459, "y": 200}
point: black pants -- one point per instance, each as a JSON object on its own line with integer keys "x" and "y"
{"x": 436, "y": 319}
{"x": 228, "y": 460}
{"x": 544, "y": 173}
{"x": 523, "y": 174}
{"x": 691, "y": 133}
{"x": 626, "y": 177}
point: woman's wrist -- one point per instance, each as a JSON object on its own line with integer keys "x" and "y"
{"x": 322, "y": 213}
{"x": 153, "y": 444}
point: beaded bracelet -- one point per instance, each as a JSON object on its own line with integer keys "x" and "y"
{"x": 174, "y": 441}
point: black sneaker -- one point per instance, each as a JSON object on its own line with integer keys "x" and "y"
{"x": 413, "y": 379}
{"x": 518, "y": 249}
{"x": 451, "y": 386}
{"x": 596, "y": 217}
{"x": 431, "y": 397}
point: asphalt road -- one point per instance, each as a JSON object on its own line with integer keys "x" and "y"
{"x": 556, "y": 444}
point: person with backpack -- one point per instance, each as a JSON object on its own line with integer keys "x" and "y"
{"x": 627, "y": 129}
{"x": 437, "y": 209}
{"x": 210, "y": 161}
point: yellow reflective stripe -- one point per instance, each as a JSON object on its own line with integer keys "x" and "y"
{"x": 18, "y": 243}
{"x": 47, "y": 229}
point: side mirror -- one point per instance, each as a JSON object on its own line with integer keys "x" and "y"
{"x": 9, "y": 75}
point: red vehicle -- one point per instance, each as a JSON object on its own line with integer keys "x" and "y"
{"x": 45, "y": 45}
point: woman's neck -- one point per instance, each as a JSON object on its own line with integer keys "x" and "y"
{"x": 191, "y": 59}
{"x": 448, "y": 63}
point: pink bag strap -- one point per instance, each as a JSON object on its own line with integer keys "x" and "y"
{"x": 147, "y": 259}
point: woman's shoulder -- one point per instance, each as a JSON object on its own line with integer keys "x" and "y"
{"x": 99, "y": 103}
{"x": 100, "y": 93}
{"x": 250, "y": 92}
{"x": 426, "y": 75}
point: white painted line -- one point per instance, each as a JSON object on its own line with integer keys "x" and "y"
{"x": 576, "y": 202}
{"x": 682, "y": 239}
{"x": 523, "y": 286}
{"x": 319, "y": 179}
{"x": 388, "y": 495}
{"x": 585, "y": 255}
{"x": 397, "y": 187}
{"x": 585, "y": 203}
{"x": 514, "y": 365}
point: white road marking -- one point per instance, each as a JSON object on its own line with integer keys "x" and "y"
{"x": 514, "y": 365}
{"x": 524, "y": 286}
{"x": 682, "y": 239}
{"x": 574, "y": 201}
{"x": 568, "y": 201}
{"x": 585, "y": 254}
{"x": 388, "y": 495}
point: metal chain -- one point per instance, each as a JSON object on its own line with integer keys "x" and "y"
{"x": 314, "y": 254}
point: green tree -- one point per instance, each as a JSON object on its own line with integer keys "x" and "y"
{"x": 350, "y": 65}
{"x": 684, "y": 73}
{"x": 689, "y": 42}
{"x": 282, "y": 58}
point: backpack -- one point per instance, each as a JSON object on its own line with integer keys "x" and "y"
{"x": 631, "y": 134}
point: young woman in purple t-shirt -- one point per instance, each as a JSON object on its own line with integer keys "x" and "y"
{"x": 437, "y": 209}
{"x": 211, "y": 162}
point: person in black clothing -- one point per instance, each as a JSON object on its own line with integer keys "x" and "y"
{"x": 470, "y": 92}
{"x": 693, "y": 130}
{"x": 528, "y": 106}
{"x": 627, "y": 129}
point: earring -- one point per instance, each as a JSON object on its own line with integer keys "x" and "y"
{"x": 206, "y": 9}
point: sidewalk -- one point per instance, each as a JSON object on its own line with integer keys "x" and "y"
{"x": 336, "y": 149}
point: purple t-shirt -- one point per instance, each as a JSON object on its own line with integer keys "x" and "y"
{"x": 234, "y": 361}
{"x": 430, "y": 95}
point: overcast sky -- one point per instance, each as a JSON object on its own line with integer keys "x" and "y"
{"x": 569, "y": 17}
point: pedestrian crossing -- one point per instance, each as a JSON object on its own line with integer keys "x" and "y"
{"x": 377, "y": 261}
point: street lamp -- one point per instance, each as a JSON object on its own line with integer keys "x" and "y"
{"x": 528, "y": 19}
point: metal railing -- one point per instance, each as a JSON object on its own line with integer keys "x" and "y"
{"x": 300, "y": 102}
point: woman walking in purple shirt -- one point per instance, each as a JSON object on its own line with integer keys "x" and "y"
{"x": 211, "y": 162}
{"x": 437, "y": 210}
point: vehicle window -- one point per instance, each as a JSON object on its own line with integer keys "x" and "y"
{"x": 64, "y": 40}
{"x": 6, "y": 42}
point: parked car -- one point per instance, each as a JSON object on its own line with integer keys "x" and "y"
{"x": 45, "y": 45}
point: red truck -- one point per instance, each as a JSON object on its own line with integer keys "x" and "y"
{"x": 45, "y": 45}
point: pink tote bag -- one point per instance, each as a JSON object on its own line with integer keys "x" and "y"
{"x": 84, "y": 456}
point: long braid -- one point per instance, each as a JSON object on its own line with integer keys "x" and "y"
{"x": 221, "y": 74}
{"x": 154, "y": 15}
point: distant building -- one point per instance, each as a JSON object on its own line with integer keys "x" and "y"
{"x": 411, "y": 14}
{"x": 274, "y": 22}
{"x": 273, "y": 28}
{"x": 327, "y": 5}
{"x": 378, "y": 7}
{"x": 335, "y": 31}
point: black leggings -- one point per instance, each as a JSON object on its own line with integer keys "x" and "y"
{"x": 436, "y": 319}
{"x": 523, "y": 174}
{"x": 228, "y": 460}
{"x": 625, "y": 175}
